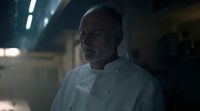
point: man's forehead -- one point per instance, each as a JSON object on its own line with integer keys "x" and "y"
{"x": 107, "y": 11}
{"x": 96, "y": 16}
{"x": 95, "y": 19}
{"x": 93, "y": 27}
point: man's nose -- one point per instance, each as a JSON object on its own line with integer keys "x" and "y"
{"x": 86, "y": 39}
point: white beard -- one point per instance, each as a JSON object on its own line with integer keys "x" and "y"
{"x": 92, "y": 55}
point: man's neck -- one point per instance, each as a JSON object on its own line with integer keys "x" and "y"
{"x": 100, "y": 65}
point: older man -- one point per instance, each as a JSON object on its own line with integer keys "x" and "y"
{"x": 107, "y": 82}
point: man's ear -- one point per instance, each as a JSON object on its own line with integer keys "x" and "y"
{"x": 119, "y": 37}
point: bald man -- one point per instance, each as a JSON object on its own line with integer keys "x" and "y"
{"x": 107, "y": 82}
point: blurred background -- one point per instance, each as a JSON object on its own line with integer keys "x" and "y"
{"x": 39, "y": 45}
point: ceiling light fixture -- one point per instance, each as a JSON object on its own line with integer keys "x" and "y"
{"x": 46, "y": 21}
{"x": 12, "y": 52}
{"x": 32, "y": 6}
{"x": 52, "y": 12}
{"x": 2, "y": 52}
{"x": 29, "y": 22}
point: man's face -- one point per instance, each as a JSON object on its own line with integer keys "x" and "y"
{"x": 97, "y": 36}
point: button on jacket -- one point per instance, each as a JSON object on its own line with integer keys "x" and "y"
{"x": 120, "y": 86}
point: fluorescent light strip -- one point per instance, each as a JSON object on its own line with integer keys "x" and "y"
{"x": 29, "y": 22}
{"x": 46, "y": 20}
{"x": 2, "y": 52}
{"x": 32, "y": 6}
{"x": 12, "y": 52}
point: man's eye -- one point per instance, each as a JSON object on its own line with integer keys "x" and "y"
{"x": 82, "y": 33}
{"x": 97, "y": 33}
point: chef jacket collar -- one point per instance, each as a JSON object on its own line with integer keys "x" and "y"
{"x": 109, "y": 67}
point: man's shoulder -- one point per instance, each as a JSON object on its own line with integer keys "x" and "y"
{"x": 80, "y": 68}
{"x": 132, "y": 67}
{"x": 76, "y": 74}
{"x": 136, "y": 73}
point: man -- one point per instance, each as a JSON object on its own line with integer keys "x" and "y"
{"x": 107, "y": 83}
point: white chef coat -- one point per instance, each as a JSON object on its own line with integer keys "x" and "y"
{"x": 120, "y": 86}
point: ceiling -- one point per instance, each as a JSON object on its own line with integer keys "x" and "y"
{"x": 69, "y": 18}
{"x": 183, "y": 15}
{"x": 13, "y": 19}
{"x": 39, "y": 37}
{"x": 66, "y": 14}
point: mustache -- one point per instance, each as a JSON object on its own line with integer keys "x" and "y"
{"x": 88, "y": 48}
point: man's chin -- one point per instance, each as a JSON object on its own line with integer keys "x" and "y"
{"x": 90, "y": 60}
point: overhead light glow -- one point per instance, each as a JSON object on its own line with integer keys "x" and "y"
{"x": 46, "y": 21}
{"x": 52, "y": 12}
{"x": 29, "y": 22}
{"x": 12, "y": 52}
{"x": 2, "y": 52}
{"x": 6, "y": 106}
{"x": 32, "y": 6}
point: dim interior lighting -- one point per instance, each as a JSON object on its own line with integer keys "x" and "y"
{"x": 2, "y": 52}
{"x": 32, "y": 6}
{"x": 46, "y": 20}
{"x": 29, "y": 22}
{"x": 12, "y": 52}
